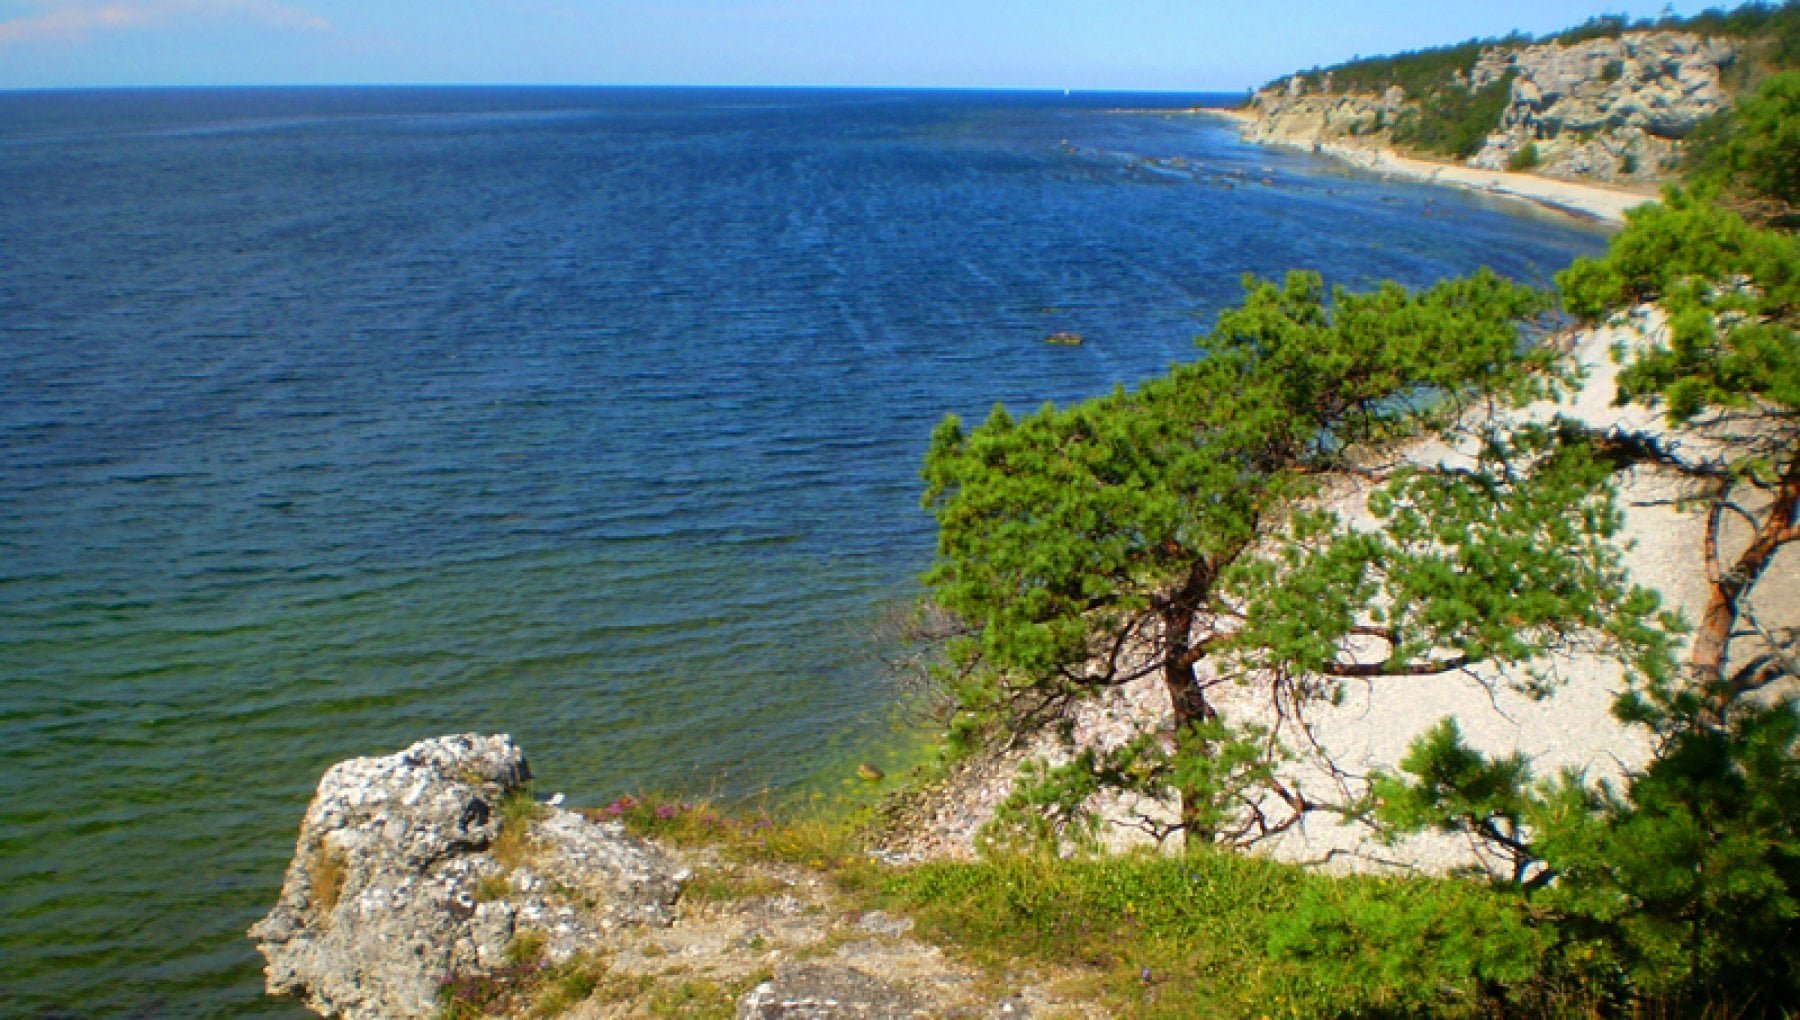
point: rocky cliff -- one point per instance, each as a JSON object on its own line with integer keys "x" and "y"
{"x": 1609, "y": 109}
{"x": 428, "y": 883}
{"x": 419, "y": 869}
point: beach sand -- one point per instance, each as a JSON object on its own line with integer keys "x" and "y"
{"x": 1586, "y": 200}
{"x": 1371, "y": 727}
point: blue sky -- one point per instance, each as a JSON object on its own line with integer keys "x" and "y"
{"x": 1083, "y": 44}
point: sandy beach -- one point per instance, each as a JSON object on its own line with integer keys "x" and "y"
{"x": 1586, "y": 200}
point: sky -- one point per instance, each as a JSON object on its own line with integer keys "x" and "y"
{"x": 1081, "y": 44}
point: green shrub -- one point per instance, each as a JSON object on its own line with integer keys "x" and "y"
{"x": 1681, "y": 894}
{"x": 1525, "y": 158}
{"x": 1754, "y": 151}
{"x": 1410, "y": 946}
{"x": 1216, "y": 934}
{"x": 1452, "y": 120}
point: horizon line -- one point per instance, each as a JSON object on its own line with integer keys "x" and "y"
{"x": 1024, "y": 89}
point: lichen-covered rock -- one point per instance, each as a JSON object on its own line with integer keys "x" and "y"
{"x": 395, "y": 887}
{"x": 812, "y": 991}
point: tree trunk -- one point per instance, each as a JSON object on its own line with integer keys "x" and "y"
{"x": 1191, "y": 708}
{"x": 1728, "y": 588}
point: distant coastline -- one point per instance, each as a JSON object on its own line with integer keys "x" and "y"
{"x": 1586, "y": 201}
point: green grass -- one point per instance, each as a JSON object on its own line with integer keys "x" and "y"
{"x": 514, "y": 844}
{"x": 823, "y": 842}
{"x": 1203, "y": 934}
{"x": 721, "y": 886}
{"x": 1222, "y": 935}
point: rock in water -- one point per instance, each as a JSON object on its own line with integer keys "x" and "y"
{"x": 395, "y": 888}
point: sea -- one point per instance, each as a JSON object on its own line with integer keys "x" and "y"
{"x": 334, "y": 419}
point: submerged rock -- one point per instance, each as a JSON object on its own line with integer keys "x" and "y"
{"x": 422, "y": 867}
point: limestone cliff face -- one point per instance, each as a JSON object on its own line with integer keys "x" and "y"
{"x": 1606, "y": 108}
{"x": 1291, "y": 116}
{"x": 1603, "y": 109}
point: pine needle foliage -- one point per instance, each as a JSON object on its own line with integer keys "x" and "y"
{"x": 1676, "y": 890}
{"x": 1752, "y": 152}
{"x": 1681, "y": 889}
{"x": 1145, "y": 533}
{"x": 1726, "y": 374}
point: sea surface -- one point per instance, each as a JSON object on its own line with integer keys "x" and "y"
{"x": 335, "y": 419}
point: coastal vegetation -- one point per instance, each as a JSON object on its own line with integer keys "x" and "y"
{"x": 1747, "y": 153}
{"x": 1168, "y": 532}
{"x": 1449, "y": 112}
{"x": 1175, "y": 531}
{"x": 1453, "y": 120}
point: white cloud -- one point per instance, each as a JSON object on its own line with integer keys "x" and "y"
{"x": 77, "y": 20}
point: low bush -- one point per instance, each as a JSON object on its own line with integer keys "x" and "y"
{"x": 1453, "y": 120}
{"x": 1217, "y": 934}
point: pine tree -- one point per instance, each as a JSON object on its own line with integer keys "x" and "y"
{"x": 1727, "y": 376}
{"x": 1143, "y": 533}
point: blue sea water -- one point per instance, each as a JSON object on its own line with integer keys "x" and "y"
{"x": 335, "y": 419}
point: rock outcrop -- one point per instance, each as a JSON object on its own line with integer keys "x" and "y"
{"x": 424, "y": 879}
{"x": 417, "y": 867}
{"x": 1607, "y": 109}
{"x": 1289, "y": 116}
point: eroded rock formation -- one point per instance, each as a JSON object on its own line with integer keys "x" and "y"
{"x": 406, "y": 876}
{"x": 1606, "y": 108}
{"x": 424, "y": 880}
{"x": 1611, "y": 109}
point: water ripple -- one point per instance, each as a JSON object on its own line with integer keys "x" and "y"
{"x": 333, "y": 419}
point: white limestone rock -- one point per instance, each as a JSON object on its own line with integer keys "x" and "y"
{"x": 394, "y": 889}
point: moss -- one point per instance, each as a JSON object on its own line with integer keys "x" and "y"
{"x": 1525, "y": 158}
{"x": 490, "y": 888}
{"x": 514, "y": 845}
{"x": 326, "y": 875}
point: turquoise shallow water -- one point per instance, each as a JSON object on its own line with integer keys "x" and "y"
{"x": 334, "y": 419}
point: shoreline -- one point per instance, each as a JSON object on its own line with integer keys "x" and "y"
{"x": 1586, "y": 201}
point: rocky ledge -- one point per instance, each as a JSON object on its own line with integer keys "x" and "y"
{"x": 428, "y": 883}
{"x": 406, "y": 877}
